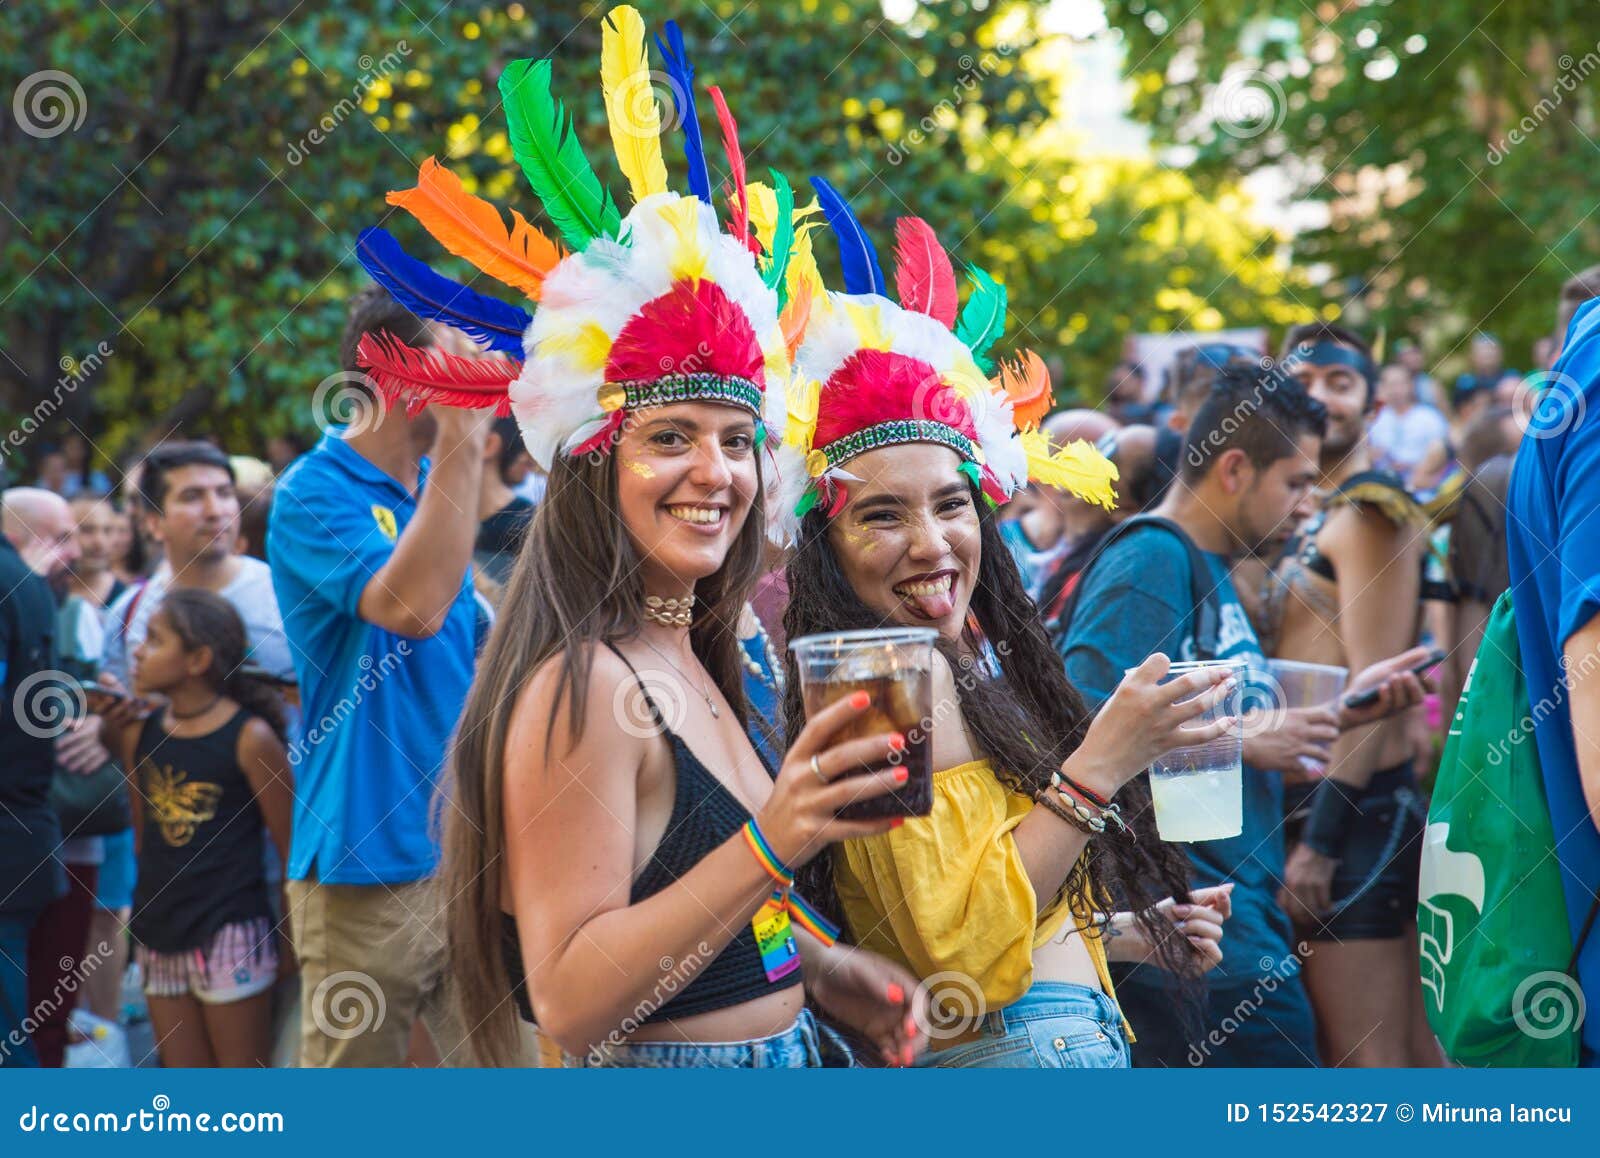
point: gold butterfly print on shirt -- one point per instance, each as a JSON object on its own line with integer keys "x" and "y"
{"x": 179, "y": 805}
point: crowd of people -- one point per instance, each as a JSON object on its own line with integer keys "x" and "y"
{"x": 459, "y": 738}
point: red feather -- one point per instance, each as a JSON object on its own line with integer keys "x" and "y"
{"x": 738, "y": 199}
{"x": 418, "y": 378}
{"x": 874, "y": 386}
{"x": 695, "y": 327}
{"x": 923, "y": 275}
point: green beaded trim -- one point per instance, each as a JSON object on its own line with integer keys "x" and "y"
{"x": 902, "y": 430}
{"x": 694, "y": 387}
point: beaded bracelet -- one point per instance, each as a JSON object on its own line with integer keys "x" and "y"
{"x": 1077, "y": 797}
{"x": 1078, "y": 816}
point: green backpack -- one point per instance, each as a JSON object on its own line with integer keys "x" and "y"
{"x": 1496, "y": 946}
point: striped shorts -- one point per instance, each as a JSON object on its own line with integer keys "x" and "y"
{"x": 239, "y": 961}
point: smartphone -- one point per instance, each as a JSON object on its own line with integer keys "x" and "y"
{"x": 99, "y": 696}
{"x": 1369, "y": 697}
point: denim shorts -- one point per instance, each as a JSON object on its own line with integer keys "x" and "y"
{"x": 804, "y": 1045}
{"x": 1054, "y": 1026}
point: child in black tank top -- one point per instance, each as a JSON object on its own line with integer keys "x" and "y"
{"x": 210, "y": 780}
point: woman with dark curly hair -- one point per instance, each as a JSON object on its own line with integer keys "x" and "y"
{"x": 1001, "y": 899}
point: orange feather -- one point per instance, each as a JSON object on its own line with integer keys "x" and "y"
{"x": 795, "y": 316}
{"x": 1027, "y": 384}
{"x": 472, "y": 228}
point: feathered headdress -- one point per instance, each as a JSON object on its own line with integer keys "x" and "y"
{"x": 657, "y": 306}
{"x": 870, "y": 373}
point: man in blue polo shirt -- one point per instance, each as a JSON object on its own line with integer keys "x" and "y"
{"x": 1553, "y": 548}
{"x": 371, "y": 552}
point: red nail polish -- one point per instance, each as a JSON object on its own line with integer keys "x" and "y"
{"x": 902, "y": 775}
{"x": 896, "y": 994}
{"x": 860, "y": 700}
{"x": 896, "y": 741}
{"x": 897, "y": 822}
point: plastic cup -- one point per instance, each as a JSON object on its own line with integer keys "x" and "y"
{"x": 1307, "y": 685}
{"x": 894, "y": 666}
{"x": 1198, "y": 789}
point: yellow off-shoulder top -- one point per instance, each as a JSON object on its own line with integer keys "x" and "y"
{"x": 948, "y": 892}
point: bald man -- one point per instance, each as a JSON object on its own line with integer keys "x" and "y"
{"x": 1053, "y": 519}
{"x": 38, "y": 523}
{"x": 31, "y": 874}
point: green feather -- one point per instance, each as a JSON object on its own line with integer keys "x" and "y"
{"x": 782, "y": 238}
{"x": 807, "y": 501}
{"x": 970, "y": 469}
{"x": 983, "y": 318}
{"x": 544, "y": 144}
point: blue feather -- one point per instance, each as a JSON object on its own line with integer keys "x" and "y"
{"x": 436, "y": 298}
{"x": 862, "y": 274}
{"x": 681, "y": 71}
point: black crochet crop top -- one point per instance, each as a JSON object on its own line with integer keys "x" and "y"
{"x": 704, "y": 816}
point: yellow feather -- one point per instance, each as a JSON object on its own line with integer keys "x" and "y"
{"x": 688, "y": 256}
{"x": 588, "y": 345}
{"x": 763, "y": 211}
{"x": 868, "y": 323}
{"x": 803, "y": 396}
{"x": 631, "y": 108}
{"x": 803, "y": 269}
{"x": 1077, "y": 468}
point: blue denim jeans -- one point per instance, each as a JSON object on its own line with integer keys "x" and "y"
{"x": 801, "y": 1046}
{"x": 1053, "y": 1026}
{"x": 16, "y": 1045}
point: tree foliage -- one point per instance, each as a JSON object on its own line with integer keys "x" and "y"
{"x": 200, "y": 219}
{"x": 1452, "y": 143}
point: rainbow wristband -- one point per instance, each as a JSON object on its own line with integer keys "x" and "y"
{"x": 776, "y": 869}
{"x": 813, "y": 922}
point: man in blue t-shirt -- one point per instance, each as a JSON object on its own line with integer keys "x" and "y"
{"x": 1553, "y": 548}
{"x": 371, "y": 552}
{"x": 1244, "y": 483}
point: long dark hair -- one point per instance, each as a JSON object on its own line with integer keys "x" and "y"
{"x": 576, "y": 584}
{"x": 1026, "y": 720}
{"x": 202, "y": 618}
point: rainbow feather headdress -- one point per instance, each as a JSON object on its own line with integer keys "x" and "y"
{"x": 655, "y": 307}
{"x": 870, "y": 373}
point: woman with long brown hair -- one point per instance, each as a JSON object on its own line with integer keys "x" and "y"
{"x": 617, "y": 860}
{"x": 1002, "y": 898}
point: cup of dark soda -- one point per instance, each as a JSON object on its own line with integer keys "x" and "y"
{"x": 894, "y": 666}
